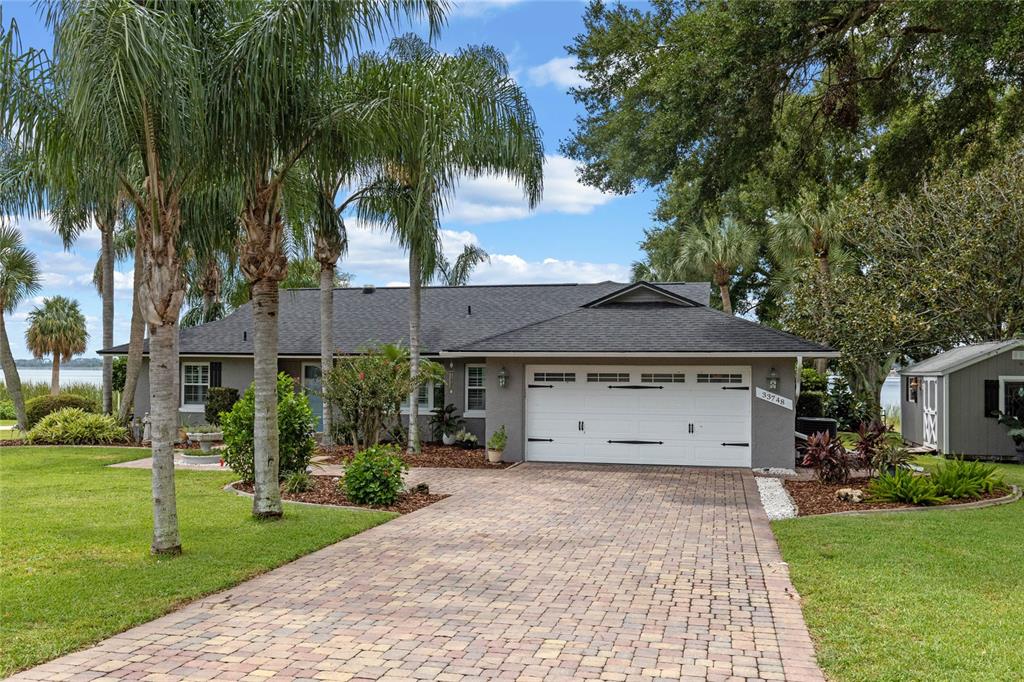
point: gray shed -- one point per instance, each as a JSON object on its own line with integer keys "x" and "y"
{"x": 949, "y": 401}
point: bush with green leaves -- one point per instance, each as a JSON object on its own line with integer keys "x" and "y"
{"x": 39, "y": 407}
{"x": 903, "y": 485}
{"x": 295, "y": 424}
{"x": 958, "y": 479}
{"x": 7, "y": 410}
{"x": 219, "y": 399}
{"x": 374, "y": 476}
{"x": 72, "y": 426}
{"x": 297, "y": 482}
{"x": 810, "y": 404}
{"x": 843, "y": 406}
{"x": 498, "y": 439}
{"x": 812, "y": 380}
{"x": 119, "y": 373}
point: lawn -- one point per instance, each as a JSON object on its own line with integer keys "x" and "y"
{"x": 74, "y": 546}
{"x": 935, "y": 595}
{"x": 9, "y": 434}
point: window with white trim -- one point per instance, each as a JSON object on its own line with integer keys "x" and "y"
{"x": 195, "y": 382}
{"x": 662, "y": 378}
{"x": 476, "y": 388}
{"x": 719, "y": 378}
{"x": 563, "y": 377}
{"x": 607, "y": 377}
{"x": 425, "y": 395}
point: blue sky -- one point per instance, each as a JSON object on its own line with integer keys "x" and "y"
{"x": 576, "y": 234}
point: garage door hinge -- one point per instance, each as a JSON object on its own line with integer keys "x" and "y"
{"x": 541, "y": 440}
{"x": 737, "y": 445}
{"x": 735, "y": 388}
{"x": 638, "y": 442}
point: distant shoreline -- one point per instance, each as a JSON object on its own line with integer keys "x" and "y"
{"x": 77, "y": 363}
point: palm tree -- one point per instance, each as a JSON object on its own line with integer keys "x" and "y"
{"x": 717, "y": 250}
{"x": 19, "y": 279}
{"x": 457, "y": 274}
{"x": 809, "y": 230}
{"x": 271, "y": 85}
{"x": 56, "y": 328}
{"x": 453, "y": 115}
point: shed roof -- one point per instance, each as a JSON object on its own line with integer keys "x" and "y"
{"x": 958, "y": 358}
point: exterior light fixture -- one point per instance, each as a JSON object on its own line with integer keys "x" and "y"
{"x": 773, "y": 380}
{"x": 503, "y": 377}
{"x": 449, "y": 377}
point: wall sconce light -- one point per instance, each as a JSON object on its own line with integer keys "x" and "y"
{"x": 449, "y": 377}
{"x": 502, "y": 377}
{"x": 773, "y": 380}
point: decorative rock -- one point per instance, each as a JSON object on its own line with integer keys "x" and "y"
{"x": 776, "y": 501}
{"x": 850, "y": 495}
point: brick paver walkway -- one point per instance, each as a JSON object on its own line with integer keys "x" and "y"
{"x": 537, "y": 572}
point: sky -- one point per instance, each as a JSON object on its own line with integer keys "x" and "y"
{"x": 576, "y": 234}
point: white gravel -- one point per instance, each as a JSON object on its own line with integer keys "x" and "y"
{"x": 775, "y": 471}
{"x": 777, "y": 502}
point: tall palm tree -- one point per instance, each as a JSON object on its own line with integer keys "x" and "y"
{"x": 717, "y": 250}
{"x": 19, "y": 279}
{"x": 457, "y": 274}
{"x": 56, "y": 328}
{"x": 270, "y": 110}
{"x": 453, "y": 115}
{"x": 808, "y": 230}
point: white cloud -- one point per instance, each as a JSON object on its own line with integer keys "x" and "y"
{"x": 477, "y": 8}
{"x": 512, "y": 269}
{"x": 493, "y": 198}
{"x": 560, "y": 71}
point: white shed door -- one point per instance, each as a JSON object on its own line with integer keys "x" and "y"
{"x": 692, "y": 415}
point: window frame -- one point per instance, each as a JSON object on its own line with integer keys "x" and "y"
{"x": 466, "y": 388}
{"x": 1003, "y": 380}
{"x": 425, "y": 408}
{"x": 193, "y": 407}
{"x": 912, "y": 392}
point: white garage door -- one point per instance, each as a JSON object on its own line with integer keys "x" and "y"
{"x": 693, "y": 415}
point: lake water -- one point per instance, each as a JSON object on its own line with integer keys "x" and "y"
{"x": 891, "y": 392}
{"x": 67, "y": 376}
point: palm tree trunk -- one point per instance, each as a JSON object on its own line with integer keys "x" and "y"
{"x": 107, "y": 265}
{"x": 327, "y": 343}
{"x": 136, "y": 339}
{"x": 414, "y": 349}
{"x": 55, "y": 375}
{"x": 266, "y": 501}
{"x": 723, "y": 289}
{"x": 163, "y": 396}
{"x": 11, "y": 378}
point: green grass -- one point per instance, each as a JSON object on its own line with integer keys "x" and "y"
{"x": 849, "y": 438}
{"x": 934, "y": 595}
{"x": 74, "y": 546}
{"x": 9, "y": 434}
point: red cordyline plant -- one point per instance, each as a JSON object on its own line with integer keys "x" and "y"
{"x": 828, "y": 458}
{"x": 870, "y": 439}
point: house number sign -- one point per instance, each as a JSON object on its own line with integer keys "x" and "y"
{"x": 774, "y": 398}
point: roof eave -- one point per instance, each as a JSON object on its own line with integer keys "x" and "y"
{"x": 639, "y": 354}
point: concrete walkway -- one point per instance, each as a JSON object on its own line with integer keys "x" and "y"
{"x": 537, "y": 572}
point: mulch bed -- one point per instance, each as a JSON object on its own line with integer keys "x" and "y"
{"x": 433, "y": 455}
{"x": 325, "y": 490}
{"x": 814, "y": 497}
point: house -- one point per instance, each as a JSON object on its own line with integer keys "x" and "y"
{"x": 950, "y": 401}
{"x": 641, "y": 373}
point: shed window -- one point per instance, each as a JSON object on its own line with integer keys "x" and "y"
{"x": 913, "y": 386}
{"x": 1013, "y": 400}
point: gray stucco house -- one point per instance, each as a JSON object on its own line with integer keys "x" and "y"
{"x": 608, "y": 372}
{"x": 949, "y": 401}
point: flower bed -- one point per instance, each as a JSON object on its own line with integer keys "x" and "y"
{"x": 433, "y": 455}
{"x": 325, "y": 490}
{"x": 814, "y": 497}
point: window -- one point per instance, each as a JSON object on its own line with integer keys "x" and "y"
{"x": 476, "y": 388}
{"x": 194, "y": 383}
{"x": 426, "y": 392}
{"x": 1013, "y": 399}
{"x": 713, "y": 378}
{"x": 607, "y": 377}
{"x": 662, "y": 378}
{"x": 552, "y": 377}
{"x": 913, "y": 386}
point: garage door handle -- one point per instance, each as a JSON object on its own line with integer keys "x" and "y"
{"x": 541, "y": 440}
{"x": 735, "y": 388}
{"x": 539, "y": 386}
{"x": 637, "y": 388}
{"x": 638, "y": 442}
{"x": 737, "y": 445}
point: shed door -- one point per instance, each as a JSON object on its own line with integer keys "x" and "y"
{"x": 930, "y": 411}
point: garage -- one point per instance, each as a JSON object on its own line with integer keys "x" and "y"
{"x": 692, "y": 415}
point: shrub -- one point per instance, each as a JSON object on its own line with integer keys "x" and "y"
{"x": 498, "y": 439}
{"x": 219, "y": 399}
{"x": 467, "y": 440}
{"x": 890, "y": 457}
{"x": 37, "y": 408}
{"x": 119, "y": 373}
{"x": 810, "y": 404}
{"x": 828, "y": 458}
{"x": 297, "y": 482}
{"x": 844, "y": 407}
{"x": 374, "y": 476}
{"x": 73, "y": 426}
{"x": 295, "y": 423}
{"x": 958, "y": 479}
{"x": 902, "y": 485}
{"x": 812, "y": 380}
{"x": 7, "y": 410}
{"x": 870, "y": 438}
{"x": 444, "y": 421}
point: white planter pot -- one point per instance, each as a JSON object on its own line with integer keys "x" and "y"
{"x": 494, "y": 456}
{"x": 448, "y": 438}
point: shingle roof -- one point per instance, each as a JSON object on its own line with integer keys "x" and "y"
{"x": 460, "y": 317}
{"x": 960, "y": 357}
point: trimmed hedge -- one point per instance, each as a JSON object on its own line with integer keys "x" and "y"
{"x": 72, "y": 426}
{"x": 7, "y": 410}
{"x": 37, "y": 408}
{"x": 219, "y": 399}
{"x": 810, "y": 404}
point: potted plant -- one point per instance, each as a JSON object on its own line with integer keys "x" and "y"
{"x": 466, "y": 440}
{"x": 445, "y": 423}
{"x": 496, "y": 445}
{"x": 206, "y": 435}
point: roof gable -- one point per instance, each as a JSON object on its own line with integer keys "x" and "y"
{"x": 642, "y": 292}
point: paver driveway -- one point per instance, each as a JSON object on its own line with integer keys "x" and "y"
{"x": 537, "y": 572}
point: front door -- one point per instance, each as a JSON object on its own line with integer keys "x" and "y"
{"x": 311, "y": 385}
{"x": 930, "y": 411}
